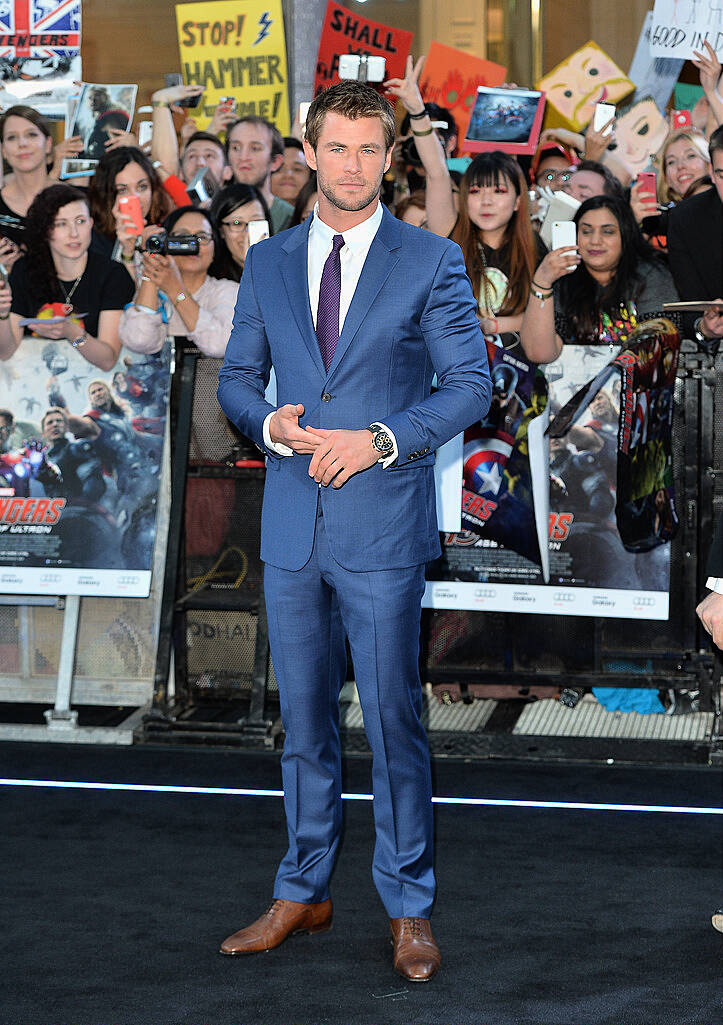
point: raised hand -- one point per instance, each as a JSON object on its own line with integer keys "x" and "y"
{"x": 407, "y": 88}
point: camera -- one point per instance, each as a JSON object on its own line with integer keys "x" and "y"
{"x": 179, "y": 245}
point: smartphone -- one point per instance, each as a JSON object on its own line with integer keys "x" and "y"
{"x": 203, "y": 187}
{"x": 681, "y": 119}
{"x": 130, "y": 206}
{"x": 257, "y": 231}
{"x": 603, "y": 113}
{"x": 145, "y": 132}
{"x": 176, "y": 78}
{"x": 564, "y": 233}
{"x": 228, "y": 103}
{"x": 646, "y": 182}
{"x": 362, "y": 68}
{"x": 303, "y": 112}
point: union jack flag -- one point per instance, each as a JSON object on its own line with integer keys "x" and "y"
{"x": 39, "y": 29}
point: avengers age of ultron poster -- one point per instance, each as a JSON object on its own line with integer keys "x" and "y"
{"x": 80, "y": 462}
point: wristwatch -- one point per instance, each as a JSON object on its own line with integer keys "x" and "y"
{"x": 382, "y": 440}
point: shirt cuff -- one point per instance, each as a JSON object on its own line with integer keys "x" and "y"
{"x": 715, "y": 584}
{"x": 273, "y": 446}
{"x": 388, "y": 460}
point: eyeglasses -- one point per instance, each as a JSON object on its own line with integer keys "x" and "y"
{"x": 202, "y": 237}
{"x": 553, "y": 176}
{"x": 235, "y": 226}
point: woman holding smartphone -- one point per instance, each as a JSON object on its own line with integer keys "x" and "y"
{"x": 126, "y": 173}
{"x": 61, "y": 277}
{"x": 492, "y": 227}
{"x": 239, "y": 211}
{"x": 176, "y": 294}
{"x": 611, "y": 272}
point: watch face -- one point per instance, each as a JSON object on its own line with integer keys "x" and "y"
{"x": 383, "y": 442}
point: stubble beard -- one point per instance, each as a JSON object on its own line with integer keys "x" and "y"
{"x": 352, "y": 204}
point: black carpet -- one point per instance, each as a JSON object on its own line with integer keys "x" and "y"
{"x": 115, "y": 902}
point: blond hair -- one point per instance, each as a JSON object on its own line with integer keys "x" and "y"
{"x": 699, "y": 143}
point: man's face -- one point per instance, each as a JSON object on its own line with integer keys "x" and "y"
{"x": 99, "y": 396}
{"x": 350, "y": 160}
{"x": 249, "y": 154}
{"x": 584, "y": 184}
{"x": 718, "y": 172}
{"x": 203, "y": 153}
{"x": 54, "y": 427}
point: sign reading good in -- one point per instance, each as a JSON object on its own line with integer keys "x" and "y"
{"x": 236, "y": 48}
{"x": 681, "y": 27}
{"x": 345, "y": 32}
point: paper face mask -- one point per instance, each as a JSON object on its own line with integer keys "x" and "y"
{"x": 587, "y": 77}
{"x": 639, "y": 132}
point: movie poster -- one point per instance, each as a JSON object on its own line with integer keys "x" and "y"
{"x": 40, "y": 54}
{"x": 591, "y": 573}
{"x": 80, "y": 462}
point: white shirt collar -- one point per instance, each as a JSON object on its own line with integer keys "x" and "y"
{"x": 358, "y": 237}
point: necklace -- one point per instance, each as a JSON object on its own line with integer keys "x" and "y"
{"x": 69, "y": 295}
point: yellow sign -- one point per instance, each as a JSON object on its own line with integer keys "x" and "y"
{"x": 588, "y": 76}
{"x": 236, "y": 48}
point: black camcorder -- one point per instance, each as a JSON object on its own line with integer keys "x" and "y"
{"x": 172, "y": 245}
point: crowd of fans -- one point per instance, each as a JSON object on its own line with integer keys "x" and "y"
{"x": 73, "y": 247}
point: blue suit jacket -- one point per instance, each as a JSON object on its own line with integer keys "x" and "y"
{"x": 412, "y": 315}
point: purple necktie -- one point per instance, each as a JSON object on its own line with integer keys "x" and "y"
{"x": 327, "y": 316}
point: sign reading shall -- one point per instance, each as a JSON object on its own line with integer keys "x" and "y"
{"x": 236, "y": 48}
{"x": 344, "y": 32}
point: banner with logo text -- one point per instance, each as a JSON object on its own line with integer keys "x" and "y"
{"x": 590, "y": 572}
{"x": 236, "y": 48}
{"x": 80, "y": 462}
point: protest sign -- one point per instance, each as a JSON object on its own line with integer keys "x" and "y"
{"x": 588, "y": 76}
{"x": 680, "y": 27}
{"x": 591, "y": 571}
{"x": 40, "y": 57}
{"x": 653, "y": 76}
{"x": 450, "y": 79}
{"x": 80, "y": 461}
{"x": 346, "y": 32}
{"x": 640, "y": 131}
{"x": 236, "y": 48}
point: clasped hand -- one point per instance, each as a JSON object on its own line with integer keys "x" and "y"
{"x": 335, "y": 455}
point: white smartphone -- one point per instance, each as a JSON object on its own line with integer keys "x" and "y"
{"x": 303, "y": 111}
{"x": 362, "y": 68}
{"x": 145, "y": 132}
{"x": 603, "y": 113}
{"x": 257, "y": 231}
{"x": 564, "y": 233}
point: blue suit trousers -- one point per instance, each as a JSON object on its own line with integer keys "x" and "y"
{"x": 310, "y": 612}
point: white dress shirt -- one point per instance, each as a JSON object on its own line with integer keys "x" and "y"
{"x": 715, "y": 584}
{"x": 353, "y": 254}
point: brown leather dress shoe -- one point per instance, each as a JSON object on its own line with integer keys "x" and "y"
{"x": 416, "y": 955}
{"x": 284, "y": 918}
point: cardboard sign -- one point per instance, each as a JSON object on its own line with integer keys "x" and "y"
{"x": 236, "y": 48}
{"x": 588, "y": 76}
{"x": 345, "y": 32}
{"x": 505, "y": 119}
{"x": 653, "y": 76}
{"x": 450, "y": 78}
{"x": 640, "y": 131}
{"x": 681, "y": 26}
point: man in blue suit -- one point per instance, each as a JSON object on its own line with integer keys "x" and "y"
{"x": 356, "y": 311}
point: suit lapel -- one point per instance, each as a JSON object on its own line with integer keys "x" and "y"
{"x": 382, "y": 258}
{"x": 294, "y": 271}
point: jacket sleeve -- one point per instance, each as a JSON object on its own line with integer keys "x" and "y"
{"x": 244, "y": 375}
{"x": 457, "y": 351}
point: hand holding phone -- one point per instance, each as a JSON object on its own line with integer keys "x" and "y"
{"x": 646, "y": 182}
{"x": 604, "y": 113}
{"x": 130, "y": 208}
{"x": 564, "y": 233}
{"x": 258, "y": 230}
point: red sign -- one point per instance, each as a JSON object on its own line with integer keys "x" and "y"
{"x": 345, "y": 32}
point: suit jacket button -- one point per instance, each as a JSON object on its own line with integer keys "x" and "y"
{"x": 326, "y": 397}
